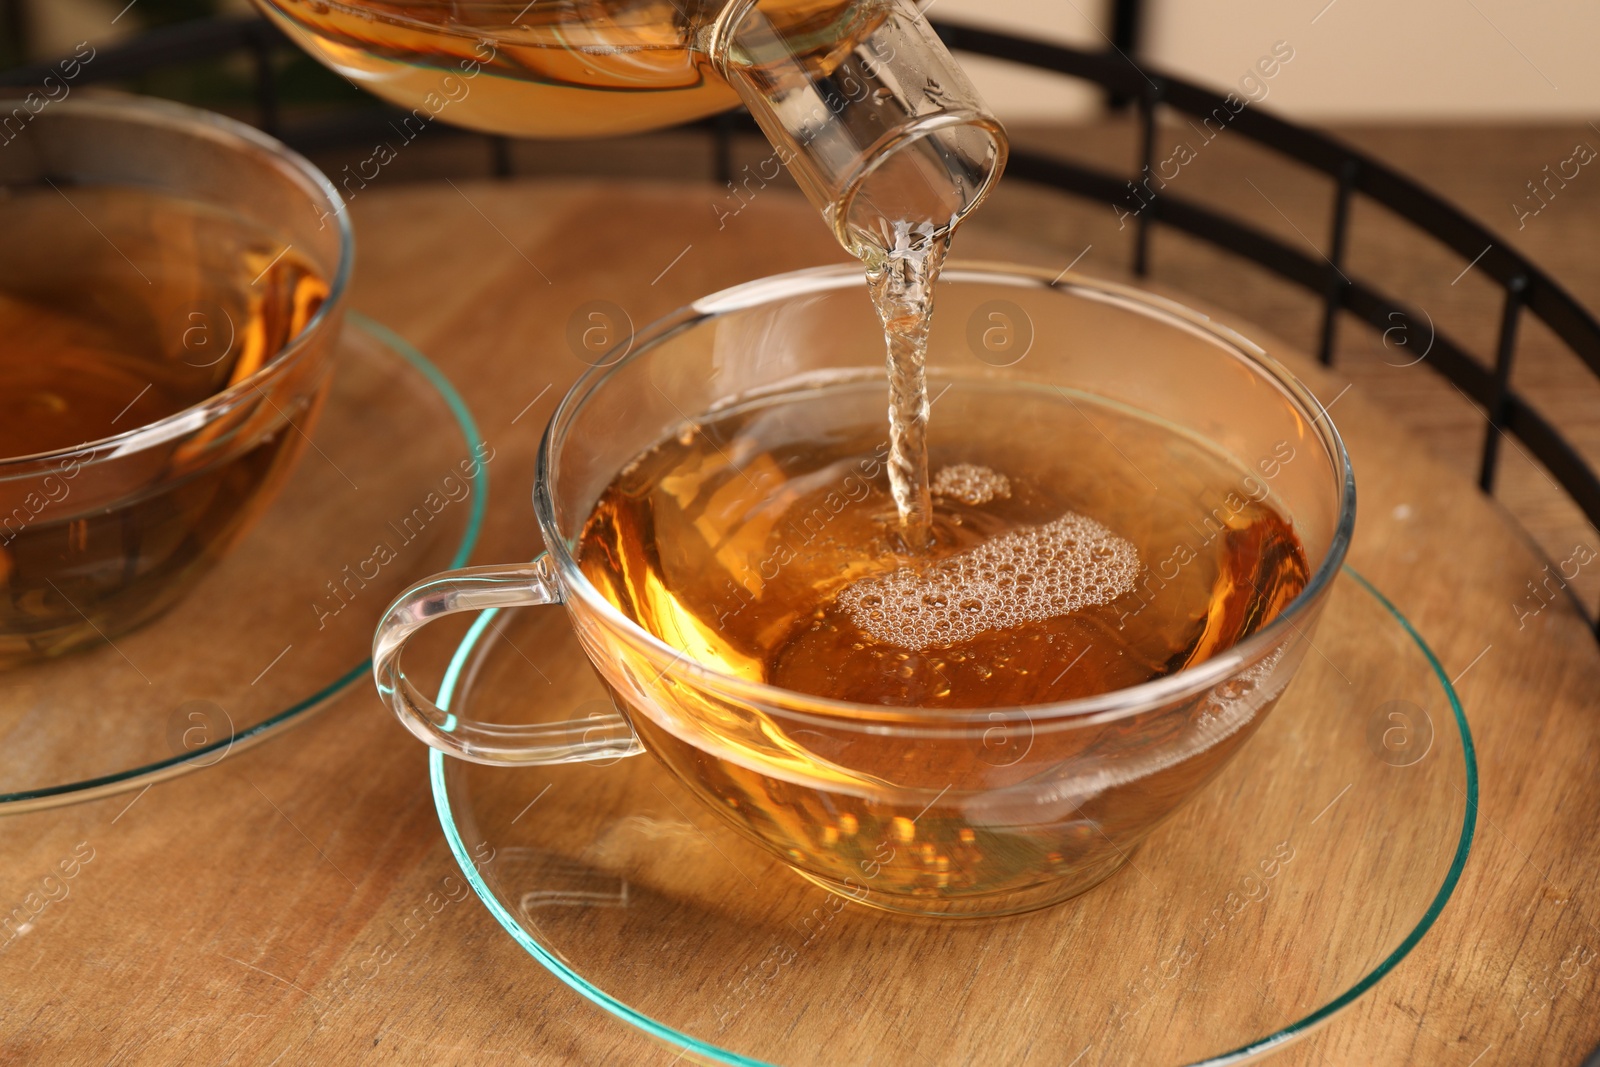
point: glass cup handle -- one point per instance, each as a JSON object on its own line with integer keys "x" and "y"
{"x": 476, "y": 589}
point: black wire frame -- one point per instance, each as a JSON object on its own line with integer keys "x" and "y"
{"x": 1525, "y": 288}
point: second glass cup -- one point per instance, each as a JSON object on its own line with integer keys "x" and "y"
{"x": 934, "y": 809}
{"x": 172, "y": 286}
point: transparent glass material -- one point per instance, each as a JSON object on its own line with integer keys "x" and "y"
{"x": 282, "y": 625}
{"x": 860, "y": 99}
{"x": 882, "y": 129}
{"x": 100, "y": 537}
{"x": 1045, "y": 800}
{"x": 1299, "y": 878}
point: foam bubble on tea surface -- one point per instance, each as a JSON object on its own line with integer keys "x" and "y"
{"x": 971, "y": 484}
{"x": 1027, "y": 575}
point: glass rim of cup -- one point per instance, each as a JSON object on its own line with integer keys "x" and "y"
{"x": 244, "y": 139}
{"x": 1082, "y": 711}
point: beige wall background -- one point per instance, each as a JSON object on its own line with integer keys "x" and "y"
{"x": 1399, "y": 60}
{"x": 1362, "y": 60}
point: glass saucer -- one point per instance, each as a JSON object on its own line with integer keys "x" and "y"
{"x": 284, "y": 623}
{"x": 1294, "y": 882}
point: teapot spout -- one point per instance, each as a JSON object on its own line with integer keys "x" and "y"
{"x": 879, "y": 125}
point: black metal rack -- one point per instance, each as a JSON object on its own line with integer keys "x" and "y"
{"x": 1525, "y": 288}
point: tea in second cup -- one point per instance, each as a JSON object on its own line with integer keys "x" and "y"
{"x": 171, "y": 288}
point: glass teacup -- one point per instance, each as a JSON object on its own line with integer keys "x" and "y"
{"x": 171, "y": 291}
{"x": 948, "y": 810}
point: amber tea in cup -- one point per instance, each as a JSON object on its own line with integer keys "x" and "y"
{"x": 763, "y": 541}
{"x": 1134, "y": 528}
{"x": 164, "y": 306}
{"x": 95, "y": 344}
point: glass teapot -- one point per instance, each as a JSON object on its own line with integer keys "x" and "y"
{"x": 873, "y": 117}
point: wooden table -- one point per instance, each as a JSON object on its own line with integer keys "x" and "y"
{"x": 209, "y": 918}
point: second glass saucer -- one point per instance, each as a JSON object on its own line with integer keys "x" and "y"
{"x": 393, "y": 487}
{"x": 1286, "y": 889}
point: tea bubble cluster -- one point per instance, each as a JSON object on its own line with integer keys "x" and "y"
{"x": 971, "y": 484}
{"x": 1027, "y": 575}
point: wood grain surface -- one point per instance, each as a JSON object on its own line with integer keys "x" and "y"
{"x": 296, "y": 903}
